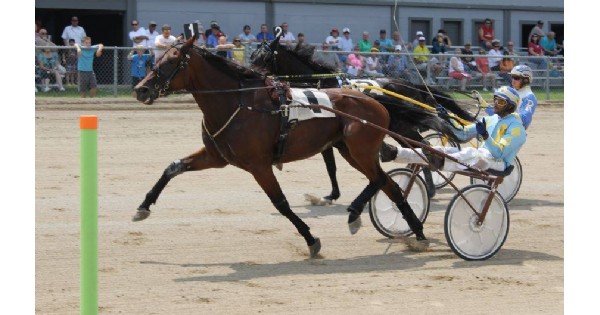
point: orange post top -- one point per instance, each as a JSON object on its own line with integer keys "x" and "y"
{"x": 88, "y": 122}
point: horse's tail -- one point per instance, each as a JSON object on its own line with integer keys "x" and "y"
{"x": 408, "y": 119}
{"x": 446, "y": 101}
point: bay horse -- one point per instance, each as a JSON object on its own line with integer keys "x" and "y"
{"x": 241, "y": 127}
{"x": 406, "y": 119}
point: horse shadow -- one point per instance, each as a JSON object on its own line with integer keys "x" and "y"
{"x": 396, "y": 261}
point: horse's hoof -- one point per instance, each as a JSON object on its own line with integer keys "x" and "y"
{"x": 315, "y": 248}
{"x": 417, "y": 244}
{"x": 355, "y": 225}
{"x": 140, "y": 215}
{"x": 324, "y": 201}
{"x": 316, "y": 201}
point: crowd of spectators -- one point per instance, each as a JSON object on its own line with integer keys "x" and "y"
{"x": 383, "y": 56}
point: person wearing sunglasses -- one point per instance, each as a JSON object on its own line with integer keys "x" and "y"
{"x": 73, "y": 31}
{"x": 138, "y": 34}
{"x": 522, "y": 76}
{"x": 503, "y": 136}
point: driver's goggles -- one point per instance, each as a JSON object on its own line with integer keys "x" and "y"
{"x": 500, "y": 101}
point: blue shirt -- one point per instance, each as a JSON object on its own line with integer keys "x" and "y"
{"x": 506, "y": 136}
{"x": 260, "y": 37}
{"x": 385, "y": 42}
{"x": 527, "y": 107}
{"x": 212, "y": 41}
{"x": 138, "y": 65}
{"x": 85, "y": 62}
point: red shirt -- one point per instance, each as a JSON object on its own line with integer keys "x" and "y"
{"x": 488, "y": 32}
{"x": 483, "y": 64}
{"x": 537, "y": 48}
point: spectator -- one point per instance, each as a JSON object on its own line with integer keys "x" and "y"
{"x": 468, "y": 61}
{"x": 163, "y": 41}
{"x": 486, "y": 34}
{"x": 151, "y": 33}
{"x": 333, "y": 40}
{"x": 355, "y": 63}
{"x": 69, "y": 59}
{"x": 495, "y": 56}
{"x": 212, "y": 40}
{"x": 537, "y": 30}
{"x": 483, "y": 66}
{"x": 364, "y": 45}
{"x": 209, "y": 30}
{"x": 300, "y": 40}
{"x": 287, "y": 37}
{"x": 48, "y": 63}
{"x": 535, "y": 49}
{"x": 43, "y": 39}
{"x": 85, "y": 66}
{"x": 239, "y": 51}
{"x": 138, "y": 58}
{"x": 38, "y": 27}
{"x": 439, "y": 45}
{"x": 510, "y": 48}
{"x": 506, "y": 65}
{"x": 420, "y": 55}
{"x": 246, "y": 35}
{"x": 328, "y": 58}
{"x": 415, "y": 42}
{"x": 264, "y": 34}
{"x": 456, "y": 70}
{"x": 384, "y": 42}
{"x": 548, "y": 44}
{"x": 73, "y": 31}
{"x": 138, "y": 34}
{"x": 224, "y": 48}
{"x": 373, "y": 67}
{"x": 396, "y": 40}
{"x": 345, "y": 44}
{"x": 445, "y": 36}
{"x": 397, "y": 65}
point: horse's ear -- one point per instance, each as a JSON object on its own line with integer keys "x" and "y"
{"x": 278, "y": 33}
{"x": 188, "y": 44}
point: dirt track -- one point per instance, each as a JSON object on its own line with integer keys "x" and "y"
{"x": 215, "y": 245}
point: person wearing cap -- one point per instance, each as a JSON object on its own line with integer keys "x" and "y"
{"x": 486, "y": 34}
{"x": 385, "y": 43}
{"x": 73, "y": 31}
{"x": 397, "y": 65}
{"x": 415, "y": 42}
{"x": 420, "y": 54}
{"x": 333, "y": 40}
{"x": 138, "y": 58}
{"x": 209, "y": 30}
{"x": 264, "y": 33}
{"x": 439, "y": 44}
{"x": 212, "y": 40}
{"x": 373, "y": 67}
{"x": 246, "y": 35}
{"x": 345, "y": 44}
{"x": 364, "y": 44}
{"x": 163, "y": 41}
{"x": 287, "y": 37}
{"x": 503, "y": 137}
{"x": 537, "y": 30}
{"x": 151, "y": 33}
{"x": 138, "y": 34}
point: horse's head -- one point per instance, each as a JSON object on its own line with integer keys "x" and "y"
{"x": 167, "y": 75}
{"x": 264, "y": 55}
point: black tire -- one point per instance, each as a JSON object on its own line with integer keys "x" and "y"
{"x": 510, "y": 185}
{"x": 436, "y": 139}
{"x": 385, "y": 215}
{"x": 465, "y": 238}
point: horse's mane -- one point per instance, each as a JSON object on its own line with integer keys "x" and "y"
{"x": 305, "y": 53}
{"x": 230, "y": 68}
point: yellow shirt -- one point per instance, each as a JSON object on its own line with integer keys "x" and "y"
{"x": 421, "y": 51}
{"x": 238, "y": 54}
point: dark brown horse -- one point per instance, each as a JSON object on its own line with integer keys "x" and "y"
{"x": 406, "y": 119}
{"x": 241, "y": 127}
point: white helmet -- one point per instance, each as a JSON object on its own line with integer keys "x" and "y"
{"x": 509, "y": 94}
{"x": 522, "y": 71}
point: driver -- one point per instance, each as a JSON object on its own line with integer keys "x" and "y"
{"x": 521, "y": 80}
{"x": 503, "y": 136}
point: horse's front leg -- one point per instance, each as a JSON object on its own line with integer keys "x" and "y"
{"x": 195, "y": 162}
{"x": 266, "y": 179}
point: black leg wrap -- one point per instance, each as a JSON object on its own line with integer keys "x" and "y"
{"x": 429, "y": 182}
{"x": 357, "y": 206}
{"x": 174, "y": 169}
{"x": 329, "y": 159}
{"x": 284, "y": 208}
{"x": 411, "y": 218}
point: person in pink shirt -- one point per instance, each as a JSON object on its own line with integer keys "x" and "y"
{"x": 483, "y": 66}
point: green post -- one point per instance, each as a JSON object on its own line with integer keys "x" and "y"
{"x": 89, "y": 215}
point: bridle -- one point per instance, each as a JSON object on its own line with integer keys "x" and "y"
{"x": 162, "y": 86}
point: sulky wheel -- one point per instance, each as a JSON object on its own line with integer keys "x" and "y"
{"x": 385, "y": 215}
{"x": 510, "y": 185}
{"x": 437, "y": 140}
{"x": 467, "y": 239}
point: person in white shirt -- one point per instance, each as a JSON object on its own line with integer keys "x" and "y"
{"x": 152, "y": 34}
{"x": 288, "y": 37}
{"x": 495, "y": 56}
{"x": 345, "y": 43}
{"x": 163, "y": 42}
{"x": 333, "y": 40}
{"x": 138, "y": 35}
{"x": 73, "y": 31}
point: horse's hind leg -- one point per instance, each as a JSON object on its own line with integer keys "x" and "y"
{"x": 329, "y": 159}
{"x": 266, "y": 179}
{"x": 195, "y": 162}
